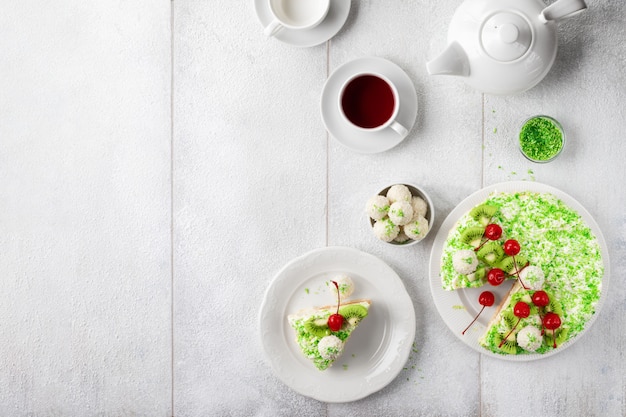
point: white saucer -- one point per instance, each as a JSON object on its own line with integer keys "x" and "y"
{"x": 375, "y": 353}
{"x": 336, "y": 17}
{"x": 350, "y": 136}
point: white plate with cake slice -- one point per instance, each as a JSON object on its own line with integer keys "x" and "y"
{"x": 458, "y": 307}
{"x": 375, "y": 352}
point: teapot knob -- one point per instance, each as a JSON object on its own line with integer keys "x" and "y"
{"x": 508, "y": 33}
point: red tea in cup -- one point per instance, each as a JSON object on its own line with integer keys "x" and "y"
{"x": 368, "y": 101}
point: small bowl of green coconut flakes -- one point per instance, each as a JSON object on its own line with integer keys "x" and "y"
{"x": 541, "y": 139}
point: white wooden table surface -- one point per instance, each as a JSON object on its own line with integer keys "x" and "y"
{"x": 161, "y": 160}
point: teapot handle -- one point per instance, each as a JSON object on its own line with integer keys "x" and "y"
{"x": 561, "y": 9}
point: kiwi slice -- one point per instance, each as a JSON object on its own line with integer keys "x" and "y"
{"x": 508, "y": 266}
{"x": 483, "y": 213}
{"x": 353, "y": 313}
{"x": 561, "y": 337}
{"x": 479, "y": 274}
{"x": 554, "y": 306}
{"x": 509, "y": 319}
{"x": 473, "y": 236}
{"x": 509, "y": 346}
{"x": 318, "y": 327}
{"x": 527, "y": 298}
{"x": 491, "y": 253}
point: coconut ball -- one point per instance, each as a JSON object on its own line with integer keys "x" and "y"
{"x": 532, "y": 277}
{"x": 465, "y": 261}
{"x": 419, "y": 206}
{"x": 529, "y": 338}
{"x": 385, "y": 230}
{"x": 402, "y": 237}
{"x": 417, "y": 228}
{"x": 377, "y": 207}
{"x": 345, "y": 284}
{"x": 398, "y": 192}
{"x": 330, "y": 347}
{"x": 401, "y": 212}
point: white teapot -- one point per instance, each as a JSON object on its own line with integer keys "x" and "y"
{"x": 503, "y": 46}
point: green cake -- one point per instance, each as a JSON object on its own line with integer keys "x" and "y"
{"x": 559, "y": 255}
{"x": 316, "y": 341}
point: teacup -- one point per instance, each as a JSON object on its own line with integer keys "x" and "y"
{"x": 370, "y": 102}
{"x": 296, "y": 14}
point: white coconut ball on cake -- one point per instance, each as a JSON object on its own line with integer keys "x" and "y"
{"x": 532, "y": 277}
{"x": 529, "y": 338}
{"x": 345, "y": 284}
{"x": 465, "y": 261}
{"x": 377, "y": 207}
{"x": 385, "y": 230}
{"x": 330, "y": 347}
{"x": 417, "y": 228}
{"x": 398, "y": 192}
{"x": 419, "y": 206}
{"x": 401, "y": 212}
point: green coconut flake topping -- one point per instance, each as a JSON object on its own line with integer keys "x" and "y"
{"x": 389, "y": 227}
{"x": 540, "y": 139}
{"x": 553, "y": 237}
{"x": 381, "y": 209}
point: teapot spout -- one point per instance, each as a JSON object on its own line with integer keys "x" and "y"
{"x": 452, "y": 61}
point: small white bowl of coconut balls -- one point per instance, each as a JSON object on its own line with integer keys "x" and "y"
{"x": 401, "y": 214}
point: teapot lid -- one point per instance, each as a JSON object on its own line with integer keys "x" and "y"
{"x": 506, "y": 36}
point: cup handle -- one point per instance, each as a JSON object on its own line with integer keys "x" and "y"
{"x": 273, "y": 27}
{"x": 401, "y": 130}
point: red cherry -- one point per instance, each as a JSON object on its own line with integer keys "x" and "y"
{"x": 495, "y": 276}
{"x": 521, "y": 310}
{"x": 511, "y": 247}
{"x": 540, "y": 298}
{"x": 552, "y": 321}
{"x": 335, "y": 321}
{"x": 486, "y": 299}
{"x": 493, "y": 231}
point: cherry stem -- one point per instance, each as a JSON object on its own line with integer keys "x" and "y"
{"x": 475, "y": 318}
{"x": 518, "y": 271}
{"x": 554, "y": 337}
{"x": 509, "y": 333}
{"x": 338, "y": 296}
{"x": 481, "y": 245}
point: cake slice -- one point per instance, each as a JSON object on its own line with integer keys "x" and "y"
{"x": 315, "y": 339}
{"x": 519, "y": 329}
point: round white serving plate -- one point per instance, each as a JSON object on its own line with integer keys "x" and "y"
{"x": 458, "y": 308}
{"x": 377, "y": 350}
